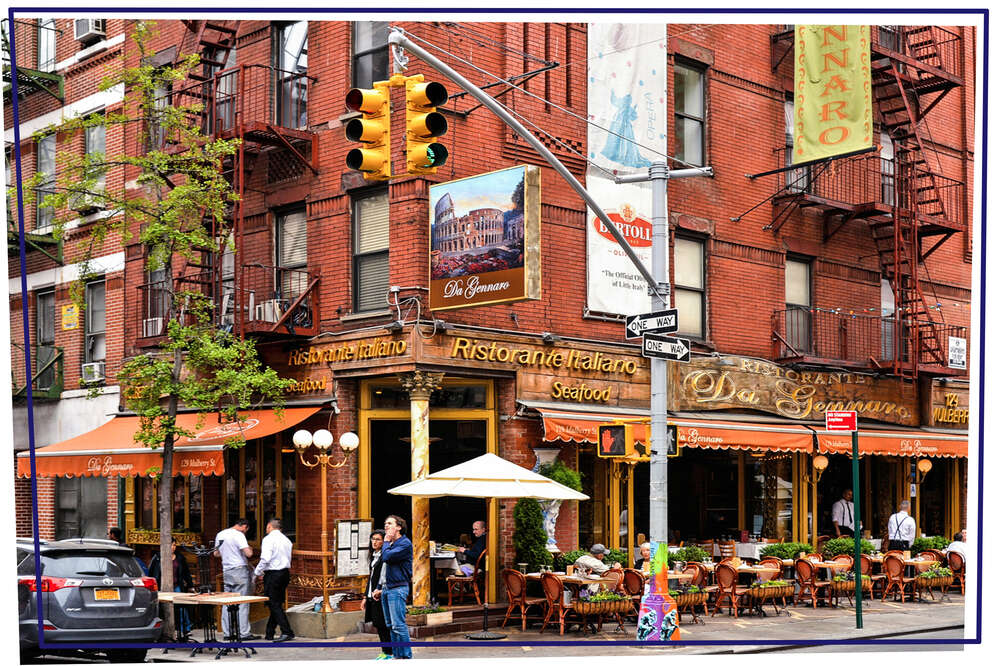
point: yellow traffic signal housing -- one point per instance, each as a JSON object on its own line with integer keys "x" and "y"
{"x": 424, "y": 124}
{"x": 614, "y": 441}
{"x": 374, "y": 160}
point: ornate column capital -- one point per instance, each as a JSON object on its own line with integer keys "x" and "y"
{"x": 420, "y": 383}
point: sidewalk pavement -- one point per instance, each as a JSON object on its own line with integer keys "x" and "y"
{"x": 824, "y": 624}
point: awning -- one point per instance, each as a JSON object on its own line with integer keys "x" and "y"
{"x": 916, "y": 443}
{"x": 574, "y": 426}
{"x": 111, "y": 449}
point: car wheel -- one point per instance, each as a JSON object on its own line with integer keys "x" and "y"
{"x": 126, "y": 656}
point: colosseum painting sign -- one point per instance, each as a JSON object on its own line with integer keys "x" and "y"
{"x": 485, "y": 239}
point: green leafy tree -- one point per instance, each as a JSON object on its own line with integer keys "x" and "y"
{"x": 173, "y": 198}
{"x": 529, "y": 535}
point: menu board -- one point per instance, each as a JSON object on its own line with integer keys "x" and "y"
{"x": 353, "y": 542}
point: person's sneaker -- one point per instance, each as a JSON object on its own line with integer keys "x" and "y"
{"x": 283, "y": 638}
{"x": 250, "y": 637}
{"x": 383, "y": 655}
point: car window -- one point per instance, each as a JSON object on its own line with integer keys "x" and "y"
{"x": 114, "y": 565}
{"x": 25, "y": 563}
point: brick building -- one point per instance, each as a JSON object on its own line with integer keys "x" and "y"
{"x": 837, "y": 284}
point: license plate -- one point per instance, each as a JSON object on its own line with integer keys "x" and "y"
{"x": 106, "y": 594}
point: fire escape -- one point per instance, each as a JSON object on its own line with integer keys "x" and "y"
{"x": 266, "y": 109}
{"x": 908, "y": 204}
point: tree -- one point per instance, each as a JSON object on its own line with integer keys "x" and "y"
{"x": 529, "y": 535}
{"x": 178, "y": 211}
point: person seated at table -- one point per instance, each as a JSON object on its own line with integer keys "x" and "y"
{"x": 957, "y": 544}
{"x": 182, "y": 581}
{"x": 594, "y": 563}
{"x": 645, "y": 557}
{"x": 472, "y": 553}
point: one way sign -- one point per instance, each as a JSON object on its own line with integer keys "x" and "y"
{"x": 663, "y": 321}
{"x": 672, "y": 349}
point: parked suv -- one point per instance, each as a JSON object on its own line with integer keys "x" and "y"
{"x": 93, "y": 591}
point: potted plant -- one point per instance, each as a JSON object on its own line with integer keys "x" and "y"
{"x": 529, "y": 535}
{"x": 936, "y": 576}
{"x": 845, "y": 546}
{"x": 690, "y": 595}
{"x": 688, "y": 554}
{"x": 843, "y": 583}
{"x": 602, "y": 602}
{"x": 921, "y": 544}
{"x": 785, "y": 551}
{"x": 420, "y": 616}
{"x": 769, "y": 589}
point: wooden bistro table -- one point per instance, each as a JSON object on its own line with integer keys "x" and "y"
{"x": 230, "y": 602}
{"x": 174, "y": 597}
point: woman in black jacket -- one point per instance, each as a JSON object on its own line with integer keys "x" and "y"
{"x": 182, "y": 582}
{"x": 373, "y": 607}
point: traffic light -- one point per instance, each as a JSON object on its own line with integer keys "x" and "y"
{"x": 424, "y": 124}
{"x": 374, "y": 160}
{"x": 614, "y": 441}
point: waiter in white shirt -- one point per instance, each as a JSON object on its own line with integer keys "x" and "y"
{"x": 843, "y": 515}
{"x": 902, "y": 528}
{"x": 275, "y": 560}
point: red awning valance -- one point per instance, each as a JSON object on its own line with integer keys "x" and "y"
{"x": 111, "y": 450}
{"x": 582, "y": 427}
{"x": 916, "y": 443}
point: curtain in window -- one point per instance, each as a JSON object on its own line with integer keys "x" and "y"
{"x": 293, "y": 245}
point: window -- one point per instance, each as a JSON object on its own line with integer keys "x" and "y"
{"x": 46, "y": 165}
{"x": 371, "y": 251}
{"x": 798, "y": 300}
{"x": 187, "y": 503}
{"x": 157, "y": 297}
{"x": 291, "y": 59}
{"x": 887, "y": 170}
{"x": 46, "y": 45}
{"x": 157, "y": 130}
{"x": 689, "y": 114}
{"x": 260, "y": 484}
{"x": 291, "y": 245}
{"x": 94, "y": 341}
{"x": 371, "y": 53}
{"x": 81, "y": 507}
{"x": 796, "y": 180}
{"x": 45, "y": 351}
{"x": 94, "y": 146}
{"x": 689, "y": 286}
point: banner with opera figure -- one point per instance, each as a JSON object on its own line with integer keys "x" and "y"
{"x": 486, "y": 239}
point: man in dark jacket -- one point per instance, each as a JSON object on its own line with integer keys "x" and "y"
{"x": 473, "y": 552}
{"x": 394, "y": 583}
{"x": 373, "y": 609}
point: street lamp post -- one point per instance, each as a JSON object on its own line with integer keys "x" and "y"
{"x": 323, "y": 440}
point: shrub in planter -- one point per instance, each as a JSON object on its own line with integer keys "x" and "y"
{"x": 920, "y": 544}
{"x": 619, "y": 556}
{"x": 688, "y": 596}
{"x": 844, "y": 583}
{"x": 565, "y": 559}
{"x": 419, "y": 616}
{"x": 785, "y": 551}
{"x": 934, "y": 576}
{"x": 688, "y": 554}
{"x": 602, "y": 602}
{"x": 845, "y": 546}
{"x": 529, "y": 535}
{"x": 559, "y": 472}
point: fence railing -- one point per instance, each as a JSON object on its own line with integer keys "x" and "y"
{"x": 279, "y": 298}
{"x": 930, "y": 44}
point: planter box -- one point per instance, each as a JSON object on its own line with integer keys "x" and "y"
{"x": 770, "y": 592}
{"x": 847, "y": 586}
{"x": 687, "y": 600}
{"x": 350, "y": 605}
{"x": 933, "y": 582}
{"x": 584, "y": 607}
{"x": 428, "y": 619}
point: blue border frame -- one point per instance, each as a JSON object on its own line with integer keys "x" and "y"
{"x": 455, "y": 10}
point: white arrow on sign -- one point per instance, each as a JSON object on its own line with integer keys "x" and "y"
{"x": 660, "y": 346}
{"x": 663, "y": 321}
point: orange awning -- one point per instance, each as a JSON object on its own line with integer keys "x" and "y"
{"x": 916, "y": 443}
{"x": 582, "y": 427}
{"x": 111, "y": 450}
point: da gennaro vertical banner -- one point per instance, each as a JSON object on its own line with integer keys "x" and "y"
{"x": 486, "y": 239}
{"x": 833, "y": 91}
{"x": 627, "y": 104}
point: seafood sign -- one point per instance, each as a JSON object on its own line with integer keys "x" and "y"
{"x": 658, "y": 616}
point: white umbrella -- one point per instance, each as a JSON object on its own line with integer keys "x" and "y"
{"x": 488, "y": 475}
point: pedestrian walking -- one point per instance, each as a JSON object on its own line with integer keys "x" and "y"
{"x": 232, "y": 547}
{"x": 394, "y": 584}
{"x": 373, "y": 608}
{"x": 902, "y": 528}
{"x": 274, "y": 566}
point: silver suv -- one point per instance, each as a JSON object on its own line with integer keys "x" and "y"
{"x": 93, "y": 591}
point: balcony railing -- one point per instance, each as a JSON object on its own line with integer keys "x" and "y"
{"x": 856, "y": 338}
{"x": 931, "y": 45}
{"x": 47, "y": 366}
{"x": 280, "y": 300}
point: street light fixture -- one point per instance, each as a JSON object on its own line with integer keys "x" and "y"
{"x": 923, "y": 466}
{"x": 819, "y": 463}
{"x": 323, "y": 440}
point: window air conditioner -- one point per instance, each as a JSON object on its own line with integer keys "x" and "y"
{"x": 269, "y": 311}
{"x": 92, "y": 372}
{"x": 152, "y": 327}
{"x": 83, "y": 203}
{"x": 86, "y": 29}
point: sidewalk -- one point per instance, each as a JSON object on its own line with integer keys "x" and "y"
{"x": 881, "y": 620}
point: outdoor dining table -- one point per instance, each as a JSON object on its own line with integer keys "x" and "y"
{"x": 230, "y": 602}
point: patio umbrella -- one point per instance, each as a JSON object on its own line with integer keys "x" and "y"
{"x": 492, "y": 477}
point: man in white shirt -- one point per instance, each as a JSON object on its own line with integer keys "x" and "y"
{"x": 957, "y": 544}
{"x": 843, "y": 515}
{"x": 275, "y": 560}
{"x": 594, "y": 563}
{"x": 231, "y": 545}
{"x": 902, "y": 528}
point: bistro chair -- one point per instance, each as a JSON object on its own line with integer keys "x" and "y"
{"x": 844, "y": 557}
{"x": 867, "y": 567}
{"x": 956, "y": 562}
{"x": 515, "y": 585}
{"x": 707, "y": 546}
{"x": 894, "y": 569}
{"x": 556, "y": 609}
{"x": 933, "y": 554}
{"x": 805, "y": 574}
{"x": 897, "y": 553}
{"x": 634, "y": 584}
{"x": 777, "y": 565}
{"x": 814, "y": 557}
{"x": 618, "y": 574}
{"x": 727, "y": 549}
{"x": 726, "y": 577}
{"x": 821, "y": 541}
{"x": 461, "y": 585}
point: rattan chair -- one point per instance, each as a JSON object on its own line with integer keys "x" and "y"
{"x": 867, "y": 567}
{"x": 515, "y": 585}
{"x": 555, "y": 608}
{"x": 634, "y": 583}
{"x": 461, "y": 585}
{"x": 805, "y": 575}
{"x": 956, "y": 562}
{"x": 895, "y": 569}
{"x": 726, "y": 578}
{"x": 727, "y": 549}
